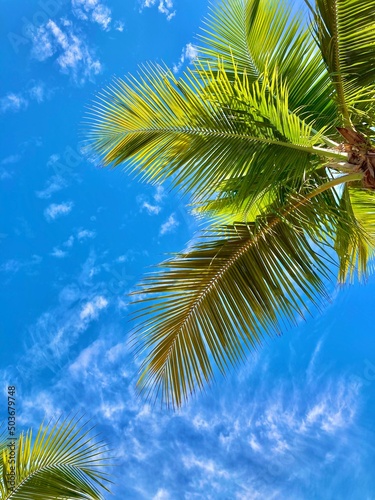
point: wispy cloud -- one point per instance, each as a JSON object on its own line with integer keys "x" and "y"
{"x": 15, "y": 265}
{"x": 5, "y": 174}
{"x": 154, "y": 207}
{"x": 119, "y": 26}
{"x": 164, "y": 7}
{"x": 37, "y": 92}
{"x": 251, "y": 438}
{"x": 58, "y": 253}
{"x": 84, "y": 234}
{"x": 159, "y": 194}
{"x": 162, "y": 494}
{"x": 72, "y": 54}
{"x": 58, "y": 329}
{"x": 93, "y": 10}
{"x": 11, "y": 159}
{"x": 188, "y": 55}
{"x": 81, "y": 235}
{"x": 169, "y": 225}
{"x": 13, "y": 102}
{"x": 54, "y": 184}
{"x": 19, "y": 101}
{"x": 57, "y": 210}
{"x": 150, "y": 209}
{"x": 91, "y": 309}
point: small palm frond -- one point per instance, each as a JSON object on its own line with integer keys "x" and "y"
{"x": 346, "y": 36}
{"x": 61, "y": 462}
{"x": 205, "y": 129}
{"x": 206, "y": 307}
{"x": 263, "y": 33}
{"x": 3, "y": 447}
{"x": 355, "y": 236}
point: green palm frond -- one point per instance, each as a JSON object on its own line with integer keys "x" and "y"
{"x": 355, "y": 236}
{"x": 346, "y": 36}
{"x": 61, "y": 462}
{"x": 258, "y": 34}
{"x": 204, "y": 129}
{"x": 205, "y": 308}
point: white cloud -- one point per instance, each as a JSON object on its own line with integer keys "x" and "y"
{"x": 5, "y": 174}
{"x": 69, "y": 242}
{"x": 122, "y": 304}
{"x": 11, "y": 266}
{"x": 91, "y": 309}
{"x": 37, "y": 92}
{"x": 207, "y": 466}
{"x": 164, "y": 7}
{"x": 57, "y": 210}
{"x": 101, "y": 15}
{"x": 119, "y": 26}
{"x": 159, "y": 194}
{"x": 94, "y": 11}
{"x": 11, "y": 159}
{"x": 122, "y": 258}
{"x": 109, "y": 411}
{"x": 161, "y": 494}
{"x": 169, "y": 225}
{"x": 13, "y": 102}
{"x": 73, "y": 55}
{"x": 85, "y": 358}
{"x": 188, "y": 55}
{"x": 15, "y": 265}
{"x": 20, "y": 101}
{"x": 44, "y": 403}
{"x": 151, "y": 209}
{"x": 335, "y": 409}
{"x": 57, "y": 252}
{"x": 84, "y": 234}
{"x": 54, "y": 184}
{"x": 116, "y": 352}
{"x": 253, "y": 442}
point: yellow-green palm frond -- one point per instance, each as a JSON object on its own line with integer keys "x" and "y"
{"x": 355, "y": 236}
{"x": 61, "y": 462}
{"x": 203, "y": 129}
{"x": 207, "y": 307}
{"x": 346, "y": 36}
{"x": 264, "y": 33}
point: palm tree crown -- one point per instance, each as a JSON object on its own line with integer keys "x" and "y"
{"x": 277, "y": 112}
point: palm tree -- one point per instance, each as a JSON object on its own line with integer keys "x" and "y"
{"x": 271, "y": 134}
{"x": 61, "y": 462}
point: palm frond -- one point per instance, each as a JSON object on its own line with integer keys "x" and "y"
{"x": 346, "y": 36}
{"x": 61, "y": 462}
{"x": 204, "y": 129}
{"x": 355, "y": 235}
{"x": 205, "y": 308}
{"x": 263, "y": 33}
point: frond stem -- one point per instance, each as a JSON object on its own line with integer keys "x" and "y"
{"x": 323, "y": 152}
{"x": 248, "y": 244}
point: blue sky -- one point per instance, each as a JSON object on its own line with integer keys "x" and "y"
{"x": 296, "y": 422}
